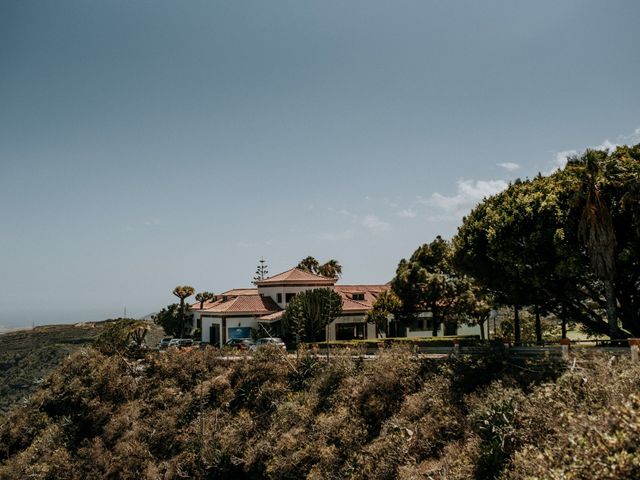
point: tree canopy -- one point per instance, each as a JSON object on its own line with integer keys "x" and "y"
{"x": 329, "y": 269}
{"x": 429, "y": 282}
{"x": 567, "y": 243}
{"x": 310, "y": 312}
{"x": 169, "y": 319}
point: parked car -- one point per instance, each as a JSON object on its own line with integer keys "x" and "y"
{"x": 164, "y": 343}
{"x": 181, "y": 342}
{"x": 239, "y": 343}
{"x": 273, "y": 341}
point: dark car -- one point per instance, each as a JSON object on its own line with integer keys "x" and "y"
{"x": 239, "y": 343}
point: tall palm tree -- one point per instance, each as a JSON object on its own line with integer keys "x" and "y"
{"x": 597, "y": 231}
{"x": 183, "y": 292}
{"x": 309, "y": 264}
{"x": 330, "y": 269}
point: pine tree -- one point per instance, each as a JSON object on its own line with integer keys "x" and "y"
{"x": 261, "y": 272}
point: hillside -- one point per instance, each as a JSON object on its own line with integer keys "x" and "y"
{"x": 29, "y": 356}
{"x": 194, "y": 414}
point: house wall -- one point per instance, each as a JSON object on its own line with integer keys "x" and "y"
{"x": 273, "y": 292}
{"x": 370, "y": 328}
{"x": 231, "y": 323}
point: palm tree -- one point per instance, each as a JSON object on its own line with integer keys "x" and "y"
{"x": 204, "y": 297}
{"x": 182, "y": 292}
{"x": 330, "y": 269}
{"x": 597, "y": 231}
{"x": 309, "y": 264}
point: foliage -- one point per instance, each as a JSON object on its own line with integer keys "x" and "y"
{"x": 262, "y": 271}
{"x": 204, "y": 297}
{"x": 310, "y": 312}
{"x": 169, "y": 319}
{"x": 183, "y": 292}
{"x": 329, "y": 269}
{"x": 193, "y": 414}
{"x": 119, "y": 334}
{"x": 568, "y": 243}
{"x": 386, "y": 304}
{"x": 428, "y": 282}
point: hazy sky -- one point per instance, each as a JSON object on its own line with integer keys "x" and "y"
{"x": 149, "y": 144}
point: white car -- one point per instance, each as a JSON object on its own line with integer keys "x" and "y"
{"x": 263, "y": 342}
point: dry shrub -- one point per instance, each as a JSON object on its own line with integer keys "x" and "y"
{"x": 586, "y": 425}
{"x": 191, "y": 414}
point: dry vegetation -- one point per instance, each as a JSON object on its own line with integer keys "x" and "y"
{"x": 28, "y": 356}
{"x": 187, "y": 414}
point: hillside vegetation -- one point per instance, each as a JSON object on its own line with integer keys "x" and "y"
{"x": 27, "y": 357}
{"x": 192, "y": 414}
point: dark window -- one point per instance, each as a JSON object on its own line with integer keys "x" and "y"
{"x": 279, "y": 298}
{"x": 289, "y": 297}
{"x": 358, "y": 296}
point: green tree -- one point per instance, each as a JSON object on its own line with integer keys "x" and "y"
{"x": 428, "y": 282}
{"x": 536, "y": 243}
{"x": 261, "y": 271}
{"x": 330, "y": 269}
{"x": 596, "y": 229}
{"x": 310, "y": 312}
{"x": 478, "y": 307}
{"x": 309, "y": 264}
{"x": 170, "y": 320}
{"x": 385, "y": 305}
{"x": 117, "y": 336}
{"x": 183, "y": 292}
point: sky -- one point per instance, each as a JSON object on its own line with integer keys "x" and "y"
{"x": 150, "y": 144}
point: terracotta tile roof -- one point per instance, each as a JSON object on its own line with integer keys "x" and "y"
{"x": 205, "y": 306}
{"x": 247, "y": 304}
{"x": 295, "y": 276}
{"x": 272, "y": 317}
{"x": 370, "y": 292}
{"x": 240, "y": 291}
{"x": 354, "y": 306}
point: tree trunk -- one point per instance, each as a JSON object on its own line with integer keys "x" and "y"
{"x": 516, "y": 325}
{"x": 564, "y": 328}
{"x": 538, "y": 326}
{"x": 481, "y": 323}
{"x": 612, "y": 318}
{"x": 181, "y": 317}
{"x": 436, "y": 327}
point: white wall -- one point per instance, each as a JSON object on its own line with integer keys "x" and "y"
{"x": 272, "y": 292}
{"x": 232, "y": 322}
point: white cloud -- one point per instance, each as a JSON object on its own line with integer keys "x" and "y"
{"x": 509, "y": 166}
{"x": 561, "y": 157}
{"x": 406, "y": 213}
{"x": 469, "y": 193}
{"x": 373, "y": 223}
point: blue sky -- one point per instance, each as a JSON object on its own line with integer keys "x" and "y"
{"x": 149, "y": 144}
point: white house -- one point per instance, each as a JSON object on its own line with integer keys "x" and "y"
{"x": 234, "y": 313}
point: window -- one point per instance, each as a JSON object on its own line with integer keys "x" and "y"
{"x": 289, "y": 297}
{"x": 279, "y": 298}
{"x": 357, "y": 296}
